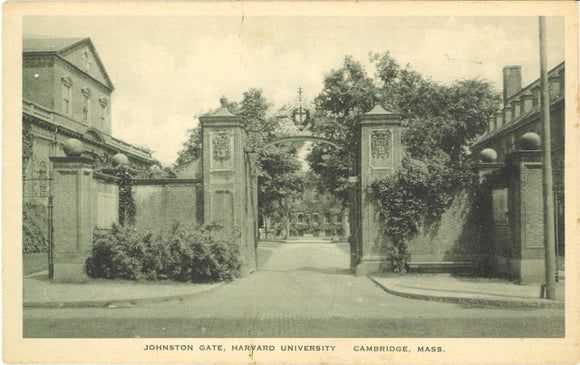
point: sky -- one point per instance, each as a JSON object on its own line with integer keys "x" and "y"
{"x": 168, "y": 70}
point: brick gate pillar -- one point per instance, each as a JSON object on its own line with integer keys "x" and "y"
{"x": 73, "y": 233}
{"x": 379, "y": 156}
{"x": 224, "y": 175}
{"x": 527, "y": 213}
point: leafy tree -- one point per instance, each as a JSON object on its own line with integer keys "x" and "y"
{"x": 438, "y": 120}
{"x": 253, "y": 112}
{"x": 191, "y": 148}
{"x": 278, "y": 182}
{"x": 347, "y": 92}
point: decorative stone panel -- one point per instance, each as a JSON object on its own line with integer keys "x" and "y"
{"x": 221, "y": 145}
{"x": 381, "y": 145}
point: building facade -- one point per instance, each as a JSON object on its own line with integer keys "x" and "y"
{"x": 318, "y": 214}
{"x": 520, "y": 113}
{"x": 515, "y": 232}
{"x": 67, "y": 93}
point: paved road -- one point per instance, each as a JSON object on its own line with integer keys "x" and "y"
{"x": 303, "y": 290}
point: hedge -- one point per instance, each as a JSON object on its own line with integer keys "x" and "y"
{"x": 34, "y": 228}
{"x": 206, "y": 254}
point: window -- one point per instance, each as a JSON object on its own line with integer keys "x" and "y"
{"x": 314, "y": 196}
{"x": 326, "y": 217}
{"x": 66, "y": 95}
{"x": 86, "y": 105}
{"x": 339, "y": 218}
{"x": 315, "y": 218}
{"x": 103, "y": 117}
{"x": 103, "y": 114}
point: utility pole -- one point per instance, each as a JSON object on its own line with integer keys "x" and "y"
{"x": 549, "y": 231}
{"x": 300, "y": 103}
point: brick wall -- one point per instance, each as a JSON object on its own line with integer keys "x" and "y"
{"x": 456, "y": 237}
{"x": 159, "y": 203}
{"x": 105, "y": 201}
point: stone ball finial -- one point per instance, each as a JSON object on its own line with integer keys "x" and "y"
{"x": 488, "y": 155}
{"x": 73, "y": 147}
{"x": 530, "y": 141}
{"x": 224, "y": 101}
{"x": 120, "y": 160}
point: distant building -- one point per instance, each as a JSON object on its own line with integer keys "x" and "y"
{"x": 521, "y": 113}
{"x": 318, "y": 214}
{"x": 66, "y": 93}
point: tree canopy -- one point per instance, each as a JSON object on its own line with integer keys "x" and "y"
{"x": 438, "y": 120}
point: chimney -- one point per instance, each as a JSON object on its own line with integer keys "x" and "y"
{"x": 512, "y": 82}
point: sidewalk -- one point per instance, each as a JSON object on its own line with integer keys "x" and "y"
{"x": 40, "y": 292}
{"x": 468, "y": 290}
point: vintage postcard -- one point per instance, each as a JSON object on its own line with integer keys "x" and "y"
{"x": 290, "y": 182}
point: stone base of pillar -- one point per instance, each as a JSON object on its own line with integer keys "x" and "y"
{"x": 525, "y": 271}
{"x": 532, "y": 271}
{"x": 245, "y": 270}
{"x": 70, "y": 273}
{"x": 368, "y": 267}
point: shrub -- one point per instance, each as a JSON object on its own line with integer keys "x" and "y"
{"x": 116, "y": 254}
{"x": 34, "y": 228}
{"x": 206, "y": 254}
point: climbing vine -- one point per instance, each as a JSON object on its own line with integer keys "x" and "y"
{"x": 127, "y": 207}
{"x": 27, "y": 144}
{"x": 415, "y": 196}
{"x": 101, "y": 160}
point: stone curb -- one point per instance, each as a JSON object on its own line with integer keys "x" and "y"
{"x": 117, "y": 303}
{"x": 539, "y": 303}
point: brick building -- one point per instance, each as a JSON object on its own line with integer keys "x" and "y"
{"x": 318, "y": 214}
{"x": 66, "y": 93}
{"x": 519, "y": 114}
